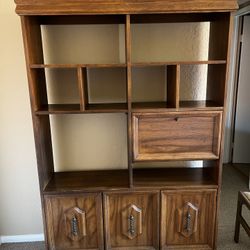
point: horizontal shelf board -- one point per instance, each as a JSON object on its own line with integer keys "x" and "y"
{"x": 148, "y": 64}
{"x": 123, "y": 65}
{"x": 87, "y": 180}
{"x": 107, "y": 107}
{"x": 70, "y": 66}
{"x": 59, "y": 109}
{"x": 173, "y": 177}
{"x": 184, "y": 105}
{"x": 75, "y": 108}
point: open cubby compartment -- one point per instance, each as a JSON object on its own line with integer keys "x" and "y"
{"x": 179, "y": 37}
{"x": 60, "y": 89}
{"x": 106, "y": 89}
{"x": 88, "y": 39}
{"x": 155, "y": 87}
{"x": 176, "y": 174}
{"x": 202, "y": 86}
{"x": 81, "y": 162}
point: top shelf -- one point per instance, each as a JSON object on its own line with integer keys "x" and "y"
{"x": 74, "y": 7}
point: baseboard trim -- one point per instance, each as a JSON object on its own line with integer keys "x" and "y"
{"x": 21, "y": 238}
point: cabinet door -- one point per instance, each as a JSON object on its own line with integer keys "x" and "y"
{"x": 176, "y": 136}
{"x": 188, "y": 219}
{"x": 132, "y": 220}
{"x": 74, "y": 222}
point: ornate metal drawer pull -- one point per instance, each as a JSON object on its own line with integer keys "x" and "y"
{"x": 131, "y": 224}
{"x": 74, "y": 226}
{"x": 188, "y": 221}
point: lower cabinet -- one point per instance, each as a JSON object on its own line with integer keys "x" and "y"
{"x": 74, "y": 222}
{"x": 132, "y": 220}
{"x": 188, "y": 219}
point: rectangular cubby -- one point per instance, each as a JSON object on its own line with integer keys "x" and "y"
{"x": 202, "y": 85}
{"x": 106, "y": 89}
{"x": 83, "y": 39}
{"x": 176, "y": 174}
{"x": 155, "y": 86}
{"x": 74, "y": 148}
{"x": 179, "y": 37}
{"x": 62, "y": 86}
{"x": 55, "y": 89}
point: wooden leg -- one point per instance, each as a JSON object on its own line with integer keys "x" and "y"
{"x": 237, "y": 222}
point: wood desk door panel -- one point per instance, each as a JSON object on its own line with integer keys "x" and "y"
{"x": 74, "y": 222}
{"x": 188, "y": 219}
{"x": 132, "y": 220}
{"x": 176, "y": 136}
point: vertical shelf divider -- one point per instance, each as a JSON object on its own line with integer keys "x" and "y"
{"x": 173, "y": 86}
{"x": 38, "y": 96}
{"x": 129, "y": 97}
{"x": 83, "y": 87}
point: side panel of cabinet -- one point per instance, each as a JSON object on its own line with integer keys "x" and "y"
{"x": 188, "y": 219}
{"x": 74, "y": 222}
{"x": 132, "y": 220}
{"x": 176, "y": 136}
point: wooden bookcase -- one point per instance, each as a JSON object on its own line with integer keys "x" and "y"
{"x": 142, "y": 206}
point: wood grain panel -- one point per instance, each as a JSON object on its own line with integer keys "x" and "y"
{"x": 38, "y": 96}
{"x": 176, "y": 135}
{"x": 202, "y": 236}
{"x": 87, "y": 233}
{"x": 63, "y": 7}
{"x": 144, "y": 206}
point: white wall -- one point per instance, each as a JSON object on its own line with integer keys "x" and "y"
{"x": 20, "y": 211}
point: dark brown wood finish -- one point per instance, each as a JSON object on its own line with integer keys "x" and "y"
{"x": 150, "y": 107}
{"x": 157, "y": 131}
{"x": 176, "y": 136}
{"x": 69, "y": 66}
{"x": 183, "y": 228}
{"x": 63, "y": 7}
{"x": 37, "y": 88}
{"x": 173, "y": 85}
{"x": 81, "y": 88}
{"x": 150, "y": 64}
{"x": 144, "y": 207}
{"x": 75, "y": 108}
{"x": 79, "y": 181}
{"x": 75, "y": 222}
{"x": 173, "y": 178}
{"x": 129, "y": 96}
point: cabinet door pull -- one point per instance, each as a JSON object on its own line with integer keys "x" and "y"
{"x": 74, "y": 226}
{"x": 131, "y": 224}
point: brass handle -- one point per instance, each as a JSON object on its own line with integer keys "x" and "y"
{"x": 131, "y": 224}
{"x": 74, "y": 226}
